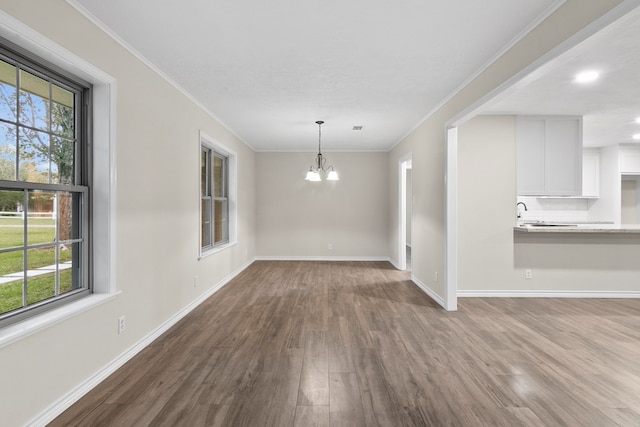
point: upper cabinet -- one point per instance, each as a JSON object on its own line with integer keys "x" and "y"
{"x": 629, "y": 159}
{"x": 591, "y": 172}
{"x": 549, "y": 155}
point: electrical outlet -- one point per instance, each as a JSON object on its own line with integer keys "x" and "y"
{"x": 528, "y": 274}
{"x": 195, "y": 281}
{"x": 435, "y": 276}
{"x": 330, "y": 246}
{"x": 122, "y": 324}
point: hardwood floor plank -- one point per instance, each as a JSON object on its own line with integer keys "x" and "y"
{"x": 382, "y": 400}
{"x": 177, "y": 409}
{"x": 312, "y": 416}
{"x": 267, "y": 393}
{"x": 314, "y": 380}
{"x": 345, "y": 402}
{"x": 524, "y": 417}
{"x": 340, "y": 346}
{"x": 297, "y": 343}
{"x": 623, "y": 416}
{"x": 208, "y": 415}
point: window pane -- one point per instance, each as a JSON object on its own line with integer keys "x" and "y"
{"x": 7, "y": 152}
{"x": 219, "y": 176}
{"x": 62, "y": 160}
{"x": 8, "y": 91}
{"x": 62, "y": 116}
{"x": 11, "y": 262}
{"x": 66, "y": 209}
{"x": 11, "y": 225}
{"x": 220, "y": 221}
{"x": 66, "y": 278}
{"x": 11, "y": 280}
{"x": 69, "y": 272}
{"x": 41, "y": 227}
{"x": 41, "y": 259}
{"x": 34, "y": 101}
{"x": 204, "y": 177}
{"x": 206, "y": 222}
{"x": 41, "y": 276}
{"x": 34, "y": 156}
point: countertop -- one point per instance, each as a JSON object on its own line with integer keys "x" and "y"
{"x": 577, "y": 228}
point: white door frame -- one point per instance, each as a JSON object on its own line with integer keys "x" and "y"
{"x": 451, "y": 240}
{"x": 404, "y": 163}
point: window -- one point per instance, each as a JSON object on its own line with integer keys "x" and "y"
{"x": 217, "y": 193}
{"x": 215, "y": 203}
{"x": 44, "y": 185}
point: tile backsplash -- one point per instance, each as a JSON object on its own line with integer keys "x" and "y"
{"x": 554, "y": 209}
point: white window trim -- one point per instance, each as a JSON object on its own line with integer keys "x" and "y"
{"x": 232, "y": 196}
{"x": 104, "y": 175}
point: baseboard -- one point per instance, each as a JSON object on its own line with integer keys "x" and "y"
{"x": 394, "y": 263}
{"x": 434, "y": 296}
{"x": 548, "y": 294}
{"x": 322, "y": 258}
{"x": 74, "y": 395}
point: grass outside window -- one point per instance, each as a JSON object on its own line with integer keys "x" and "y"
{"x": 41, "y": 287}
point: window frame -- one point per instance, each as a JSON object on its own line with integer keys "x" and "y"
{"x": 212, "y": 148}
{"x": 81, "y": 186}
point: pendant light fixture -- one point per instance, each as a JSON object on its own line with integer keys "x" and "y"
{"x": 318, "y": 168}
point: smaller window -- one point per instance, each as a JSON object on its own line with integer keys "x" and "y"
{"x": 216, "y": 196}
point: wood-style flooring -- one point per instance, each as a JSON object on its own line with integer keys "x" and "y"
{"x": 357, "y": 344}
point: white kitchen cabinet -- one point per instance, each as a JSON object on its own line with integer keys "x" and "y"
{"x": 591, "y": 172}
{"x": 549, "y": 155}
{"x": 629, "y": 160}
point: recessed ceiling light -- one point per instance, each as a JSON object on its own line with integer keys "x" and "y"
{"x": 587, "y": 77}
{"x": 636, "y": 137}
{"x": 638, "y": 120}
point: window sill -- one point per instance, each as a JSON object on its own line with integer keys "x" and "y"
{"x": 217, "y": 249}
{"x": 18, "y": 331}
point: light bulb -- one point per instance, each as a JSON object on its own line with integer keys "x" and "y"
{"x": 333, "y": 176}
{"x": 587, "y": 77}
{"x": 312, "y": 176}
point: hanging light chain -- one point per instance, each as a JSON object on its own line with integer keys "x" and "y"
{"x": 319, "y": 123}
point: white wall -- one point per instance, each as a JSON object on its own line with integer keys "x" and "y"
{"x": 486, "y": 201}
{"x": 299, "y": 219}
{"x": 492, "y": 258}
{"x": 157, "y": 217}
{"x": 427, "y": 178}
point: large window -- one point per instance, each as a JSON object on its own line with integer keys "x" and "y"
{"x": 217, "y": 196}
{"x": 44, "y": 186}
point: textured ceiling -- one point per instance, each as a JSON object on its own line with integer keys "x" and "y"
{"x": 609, "y": 106}
{"x": 269, "y": 69}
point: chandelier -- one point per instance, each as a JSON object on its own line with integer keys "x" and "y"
{"x": 318, "y": 168}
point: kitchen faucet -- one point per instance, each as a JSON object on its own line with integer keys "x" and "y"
{"x": 525, "y": 208}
